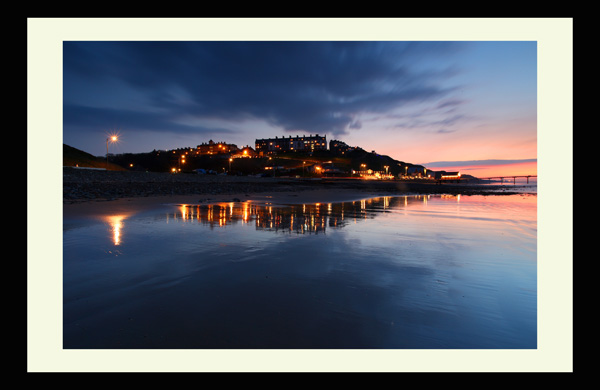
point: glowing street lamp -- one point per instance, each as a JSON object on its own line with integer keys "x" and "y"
{"x": 112, "y": 138}
{"x": 181, "y": 161}
{"x": 230, "y": 160}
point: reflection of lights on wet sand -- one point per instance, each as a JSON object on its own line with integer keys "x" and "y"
{"x": 222, "y": 217}
{"x": 245, "y": 211}
{"x": 312, "y": 217}
{"x": 184, "y": 212}
{"x": 116, "y": 224}
{"x": 450, "y": 197}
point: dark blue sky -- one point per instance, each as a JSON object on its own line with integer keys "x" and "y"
{"x": 415, "y": 101}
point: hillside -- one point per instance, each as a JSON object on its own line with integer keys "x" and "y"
{"x": 292, "y": 163}
{"x": 73, "y": 157}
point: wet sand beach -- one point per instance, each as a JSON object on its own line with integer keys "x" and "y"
{"x": 300, "y": 270}
{"x": 160, "y": 261}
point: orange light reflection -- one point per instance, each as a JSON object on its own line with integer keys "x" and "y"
{"x": 116, "y": 226}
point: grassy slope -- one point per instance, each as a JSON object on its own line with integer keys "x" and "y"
{"x": 75, "y": 157}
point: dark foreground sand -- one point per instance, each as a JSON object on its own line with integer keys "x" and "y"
{"x": 86, "y": 191}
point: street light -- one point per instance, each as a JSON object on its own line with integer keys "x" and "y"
{"x": 230, "y": 160}
{"x": 181, "y": 161}
{"x": 111, "y": 139}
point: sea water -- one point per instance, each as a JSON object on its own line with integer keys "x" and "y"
{"x": 516, "y": 184}
{"x": 408, "y": 272}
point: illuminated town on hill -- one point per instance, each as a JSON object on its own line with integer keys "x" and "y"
{"x": 296, "y": 156}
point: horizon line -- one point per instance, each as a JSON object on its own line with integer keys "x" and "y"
{"x": 477, "y": 162}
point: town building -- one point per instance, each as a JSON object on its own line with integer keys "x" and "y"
{"x": 215, "y": 148}
{"x": 443, "y": 175}
{"x": 416, "y": 171}
{"x": 340, "y": 147}
{"x": 371, "y": 174}
{"x": 329, "y": 169}
{"x": 267, "y": 146}
{"x": 245, "y": 152}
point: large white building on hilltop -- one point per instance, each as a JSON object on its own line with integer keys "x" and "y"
{"x": 266, "y": 146}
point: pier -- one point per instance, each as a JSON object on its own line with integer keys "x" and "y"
{"x": 502, "y": 178}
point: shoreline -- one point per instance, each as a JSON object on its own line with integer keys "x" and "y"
{"x": 279, "y": 198}
{"x": 87, "y": 192}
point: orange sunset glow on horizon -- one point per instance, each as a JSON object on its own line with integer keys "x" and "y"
{"x": 483, "y": 170}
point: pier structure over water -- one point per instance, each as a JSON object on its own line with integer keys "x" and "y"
{"x": 514, "y": 178}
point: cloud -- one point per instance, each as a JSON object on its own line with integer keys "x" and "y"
{"x": 317, "y": 87}
{"x": 93, "y": 118}
{"x": 450, "y": 103}
{"x": 441, "y": 118}
{"x": 476, "y": 162}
